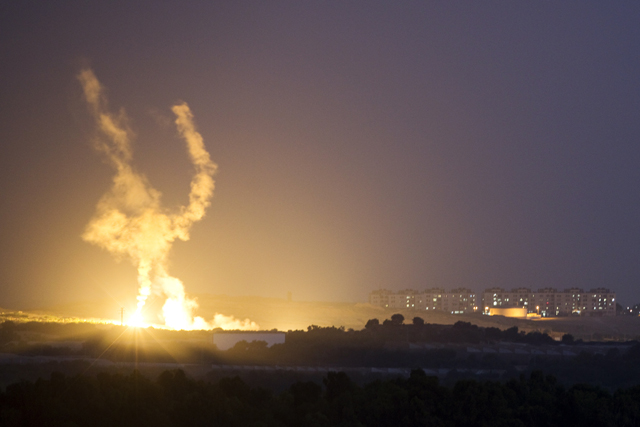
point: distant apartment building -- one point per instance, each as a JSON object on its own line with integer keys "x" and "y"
{"x": 550, "y": 302}
{"x": 499, "y": 297}
{"x": 547, "y": 302}
{"x": 456, "y": 301}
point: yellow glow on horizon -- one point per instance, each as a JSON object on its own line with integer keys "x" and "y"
{"x": 136, "y": 320}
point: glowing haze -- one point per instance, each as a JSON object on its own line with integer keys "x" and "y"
{"x": 130, "y": 220}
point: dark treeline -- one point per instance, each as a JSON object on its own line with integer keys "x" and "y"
{"x": 378, "y": 345}
{"x": 394, "y": 329}
{"x": 390, "y": 330}
{"x": 174, "y": 399}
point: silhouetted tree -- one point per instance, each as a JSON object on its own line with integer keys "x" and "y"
{"x": 372, "y": 324}
{"x": 492, "y": 334}
{"x": 397, "y": 319}
{"x": 418, "y": 321}
{"x": 337, "y": 383}
{"x": 511, "y": 334}
{"x": 305, "y": 392}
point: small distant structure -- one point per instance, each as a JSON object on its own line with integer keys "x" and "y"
{"x": 226, "y": 340}
{"x": 518, "y": 312}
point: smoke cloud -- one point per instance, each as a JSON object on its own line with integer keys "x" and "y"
{"x": 130, "y": 222}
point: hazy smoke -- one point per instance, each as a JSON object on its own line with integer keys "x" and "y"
{"x": 129, "y": 220}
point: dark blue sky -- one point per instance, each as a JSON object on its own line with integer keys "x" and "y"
{"x": 360, "y": 144}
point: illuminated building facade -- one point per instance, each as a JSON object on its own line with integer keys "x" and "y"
{"x": 547, "y": 302}
{"x": 456, "y": 301}
{"x": 550, "y": 302}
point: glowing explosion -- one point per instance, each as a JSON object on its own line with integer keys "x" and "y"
{"x": 130, "y": 221}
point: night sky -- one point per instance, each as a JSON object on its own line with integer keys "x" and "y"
{"x": 360, "y": 145}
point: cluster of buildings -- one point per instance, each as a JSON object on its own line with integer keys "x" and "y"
{"x": 546, "y": 302}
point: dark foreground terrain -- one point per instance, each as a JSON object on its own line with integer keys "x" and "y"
{"x": 173, "y": 399}
{"x": 381, "y": 350}
{"x": 391, "y": 373}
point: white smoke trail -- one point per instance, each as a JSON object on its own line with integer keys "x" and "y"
{"x": 129, "y": 220}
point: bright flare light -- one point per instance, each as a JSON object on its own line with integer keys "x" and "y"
{"x": 130, "y": 220}
{"x": 136, "y": 321}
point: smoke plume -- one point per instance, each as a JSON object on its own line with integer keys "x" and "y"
{"x": 130, "y": 221}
